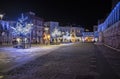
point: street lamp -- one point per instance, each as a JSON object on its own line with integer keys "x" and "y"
{"x": 30, "y": 34}
{"x": 46, "y": 35}
{"x": 1, "y": 16}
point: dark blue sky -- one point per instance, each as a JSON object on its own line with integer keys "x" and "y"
{"x": 82, "y": 12}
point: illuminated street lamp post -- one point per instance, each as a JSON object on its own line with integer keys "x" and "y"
{"x": 47, "y": 35}
{"x": 30, "y": 34}
{"x": 2, "y": 33}
{"x": 1, "y": 16}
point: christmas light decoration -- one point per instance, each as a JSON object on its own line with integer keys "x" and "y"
{"x": 67, "y": 36}
{"x": 22, "y": 33}
{"x": 22, "y": 27}
{"x": 56, "y": 33}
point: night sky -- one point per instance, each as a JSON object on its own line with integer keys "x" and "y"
{"x": 81, "y": 12}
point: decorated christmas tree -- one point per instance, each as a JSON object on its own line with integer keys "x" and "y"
{"x": 22, "y": 33}
{"x": 22, "y": 28}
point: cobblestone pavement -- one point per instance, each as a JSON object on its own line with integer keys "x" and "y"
{"x": 112, "y": 57}
{"x": 12, "y": 57}
{"x": 76, "y": 61}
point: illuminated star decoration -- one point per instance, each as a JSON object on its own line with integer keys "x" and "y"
{"x": 22, "y": 27}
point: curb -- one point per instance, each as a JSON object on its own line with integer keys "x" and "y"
{"x": 98, "y": 43}
{"x": 112, "y": 47}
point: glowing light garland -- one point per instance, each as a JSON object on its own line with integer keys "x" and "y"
{"x": 112, "y": 18}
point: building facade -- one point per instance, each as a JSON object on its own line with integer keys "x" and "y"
{"x": 75, "y": 33}
{"x": 64, "y": 33}
{"x": 109, "y": 30}
{"x": 38, "y": 27}
{"x": 5, "y": 32}
{"x": 96, "y": 35}
{"x": 6, "y": 35}
{"x": 88, "y": 37}
{"x": 42, "y": 32}
{"x": 53, "y": 29}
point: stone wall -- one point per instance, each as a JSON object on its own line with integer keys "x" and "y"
{"x": 111, "y": 36}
